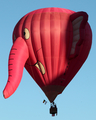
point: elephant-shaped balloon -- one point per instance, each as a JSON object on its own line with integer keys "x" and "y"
{"x": 52, "y": 44}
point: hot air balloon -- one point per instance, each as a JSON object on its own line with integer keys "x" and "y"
{"x": 52, "y": 44}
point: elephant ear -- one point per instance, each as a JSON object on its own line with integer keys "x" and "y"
{"x": 78, "y": 21}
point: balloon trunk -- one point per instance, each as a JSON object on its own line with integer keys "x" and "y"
{"x": 17, "y": 58}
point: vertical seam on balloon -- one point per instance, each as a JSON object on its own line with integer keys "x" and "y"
{"x": 60, "y": 42}
{"x": 64, "y": 11}
{"x": 41, "y": 46}
{"x": 59, "y": 45}
{"x": 31, "y": 35}
{"x": 44, "y": 81}
{"x": 31, "y": 42}
{"x": 45, "y": 63}
{"x": 51, "y": 45}
{"x": 52, "y": 60}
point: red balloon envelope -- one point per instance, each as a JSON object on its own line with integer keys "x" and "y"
{"x": 52, "y": 44}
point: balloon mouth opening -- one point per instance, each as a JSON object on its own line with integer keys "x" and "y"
{"x": 51, "y": 91}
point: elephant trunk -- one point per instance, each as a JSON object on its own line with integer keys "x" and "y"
{"x": 17, "y": 59}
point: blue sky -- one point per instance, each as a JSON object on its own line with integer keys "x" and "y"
{"x": 78, "y": 101}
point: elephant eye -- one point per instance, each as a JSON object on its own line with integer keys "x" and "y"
{"x": 26, "y": 33}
